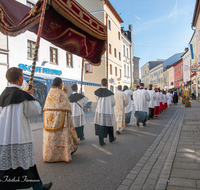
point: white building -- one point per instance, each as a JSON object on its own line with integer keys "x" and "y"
{"x": 4, "y": 64}
{"x": 186, "y": 66}
{"x": 51, "y": 61}
{"x": 127, "y": 58}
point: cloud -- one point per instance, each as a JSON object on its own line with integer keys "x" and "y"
{"x": 137, "y": 17}
{"x": 173, "y": 14}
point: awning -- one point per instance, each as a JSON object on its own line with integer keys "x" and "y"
{"x": 66, "y": 25}
{"x": 192, "y": 74}
{"x": 49, "y": 78}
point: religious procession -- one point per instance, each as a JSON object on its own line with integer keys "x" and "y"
{"x": 64, "y": 121}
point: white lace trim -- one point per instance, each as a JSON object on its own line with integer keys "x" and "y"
{"x": 78, "y": 120}
{"x": 17, "y": 155}
{"x": 103, "y": 119}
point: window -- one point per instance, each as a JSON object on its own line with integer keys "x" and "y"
{"x": 120, "y": 56}
{"x": 119, "y": 37}
{"x": 69, "y": 59}
{"x": 53, "y": 55}
{"x": 29, "y": 4}
{"x": 115, "y": 52}
{"x": 110, "y": 49}
{"x": 124, "y": 70}
{"x": 109, "y": 24}
{"x": 88, "y": 68}
{"x": 120, "y": 73}
{"x": 115, "y": 71}
{"x": 110, "y": 69}
{"x": 128, "y": 71}
{"x": 30, "y": 49}
{"x": 124, "y": 49}
{"x": 127, "y": 52}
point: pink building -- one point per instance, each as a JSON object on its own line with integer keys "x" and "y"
{"x": 178, "y": 74}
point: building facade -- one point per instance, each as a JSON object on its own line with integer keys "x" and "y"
{"x": 195, "y": 76}
{"x": 127, "y": 58}
{"x": 136, "y": 76}
{"x": 178, "y": 74}
{"x": 116, "y": 56}
{"x": 145, "y": 71}
{"x": 186, "y": 70}
{"x": 171, "y": 77}
{"x": 156, "y": 76}
{"x": 4, "y": 60}
{"x": 166, "y": 79}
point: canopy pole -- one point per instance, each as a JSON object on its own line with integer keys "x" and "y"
{"x": 107, "y": 48}
{"x": 37, "y": 44}
{"x": 82, "y": 75}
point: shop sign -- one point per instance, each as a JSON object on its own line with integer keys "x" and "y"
{"x": 195, "y": 70}
{"x": 38, "y": 69}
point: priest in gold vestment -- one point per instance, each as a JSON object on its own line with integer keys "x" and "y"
{"x": 59, "y": 135}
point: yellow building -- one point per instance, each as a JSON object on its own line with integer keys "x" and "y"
{"x": 101, "y": 9}
{"x": 156, "y": 76}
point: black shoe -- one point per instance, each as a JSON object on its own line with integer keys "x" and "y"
{"x": 117, "y": 132}
{"x": 47, "y": 186}
{"x": 148, "y": 118}
{"x": 144, "y": 124}
{"x": 102, "y": 144}
{"x": 137, "y": 123}
{"x": 82, "y": 138}
{"x": 113, "y": 140}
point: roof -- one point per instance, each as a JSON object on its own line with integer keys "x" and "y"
{"x": 113, "y": 10}
{"x": 177, "y": 62}
{"x": 173, "y": 59}
{"x": 196, "y": 13}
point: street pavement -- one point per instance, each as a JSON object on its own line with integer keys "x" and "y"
{"x": 163, "y": 155}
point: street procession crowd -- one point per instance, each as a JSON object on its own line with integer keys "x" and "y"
{"x": 63, "y": 123}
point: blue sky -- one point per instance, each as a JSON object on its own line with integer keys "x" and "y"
{"x": 161, "y": 28}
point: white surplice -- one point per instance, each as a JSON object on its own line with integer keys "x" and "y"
{"x": 168, "y": 98}
{"x": 165, "y": 98}
{"x": 78, "y": 115}
{"x": 104, "y": 110}
{"x": 161, "y": 97}
{"x": 141, "y": 98}
{"x": 129, "y": 107}
{"x": 157, "y": 100}
{"x": 16, "y": 138}
{"x": 152, "y": 98}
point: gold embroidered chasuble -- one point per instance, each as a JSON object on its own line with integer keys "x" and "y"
{"x": 59, "y": 135}
{"x": 121, "y": 102}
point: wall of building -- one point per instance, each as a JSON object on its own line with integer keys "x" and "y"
{"x": 156, "y": 76}
{"x": 171, "y": 77}
{"x": 166, "y": 79}
{"x": 136, "y": 76}
{"x": 186, "y": 67}
{"x": 99, "y": 9}
{"x": 4, "y": 61}
{"x": 145, "y": 75}
{"x": 197, "y": 86}
{"x": 178, "y": 74}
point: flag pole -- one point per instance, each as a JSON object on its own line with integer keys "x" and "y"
{"x": 82, "y": 75}
{"x": 37, "y": 44}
